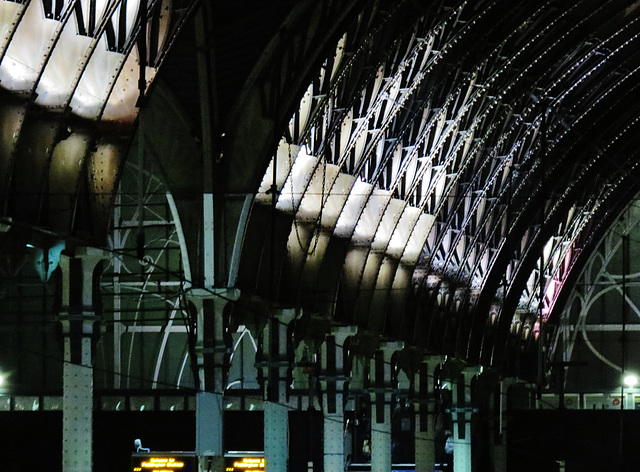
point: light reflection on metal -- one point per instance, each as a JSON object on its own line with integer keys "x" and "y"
{"x": 442, "y": 181}
{"x": 67, "y": 57}
{"x": 66, "y": 60}
{"x": 393, "y": 230}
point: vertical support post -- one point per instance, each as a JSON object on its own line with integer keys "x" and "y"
{"x": 118, "y": 327}
{"x": 77, "y": 418}
{"x": 380, "y": 438}
{"x": 209, "y": 118}
{"x": 212, "y": 354}
{"x": 209, "y": 425}
{"x": 499, "y": 449}
{"x": 333, "y": 379}
{"x": 274, "y": 367}
{"x": 212, "y": 350}
{"x": 425, "y": 432}
{"x": 208, "y": 239}
{"x": 333, "y": 438}
{"x": 462, "y": 410}
{"x": 276, "y": 437}
{"x": 79, "y": 322}
{"x": 382, "y": 397}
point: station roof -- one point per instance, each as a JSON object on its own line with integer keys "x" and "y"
{"x": 433, "y": 172}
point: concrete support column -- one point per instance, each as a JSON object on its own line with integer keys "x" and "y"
{"x": 212, "y": 356}
{"x": 275, "y": 365}
{"x": 462, "y": 410}
{"x": 425, "y": 432}
{"x": 79, "y": 326}
{"x": 333, "y": 378}
{"x": 381, "y": 400}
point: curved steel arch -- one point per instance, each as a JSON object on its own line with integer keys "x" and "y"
{"x": 71, "y": 93}
{"x": 436, "y": 171}
{"x": 439, "y": 142}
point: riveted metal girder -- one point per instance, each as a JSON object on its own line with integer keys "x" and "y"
{"x": 457, "y": 176}
{"x": 71, "y": 78}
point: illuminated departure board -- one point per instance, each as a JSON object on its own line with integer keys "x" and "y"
{"x": 164, "y": 462}
{"x": 244, "y": 464}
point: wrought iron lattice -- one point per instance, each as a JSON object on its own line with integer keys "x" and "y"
{"x": 596, "y": 329}
{"x": 142, "y": 288}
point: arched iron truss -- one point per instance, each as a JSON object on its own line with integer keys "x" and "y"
{"x": 443, "y": 185}
{"x": 74, "y": 75}
{"x": 434, "y": 174}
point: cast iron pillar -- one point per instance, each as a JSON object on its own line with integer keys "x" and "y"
{"x": 381, "y": 399}
{"x": 425, "y": 429}
{"x": 499, "y": 439}
{"x": 362, "y": 348}
{"x": 461, "y": 413}
{"x": 212, "y": 351}
{"x": 333, "y": 378}
{"x": 80, "y": 281}
{"x": 275, "y": 365}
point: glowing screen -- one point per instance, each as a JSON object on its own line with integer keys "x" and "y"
{"x": 244, "y": 464}
{"x": 163, "y": 462}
